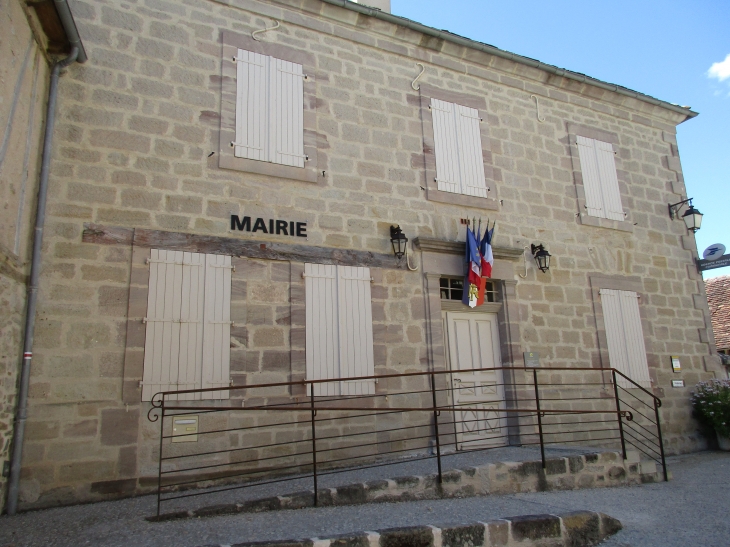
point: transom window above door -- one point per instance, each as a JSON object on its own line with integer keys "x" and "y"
{"x": 452, "y": 288}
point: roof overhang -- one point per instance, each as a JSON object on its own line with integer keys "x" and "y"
{"x": 59, "y": 27}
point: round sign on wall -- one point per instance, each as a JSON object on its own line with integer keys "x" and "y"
{"x": 713, "y": 252}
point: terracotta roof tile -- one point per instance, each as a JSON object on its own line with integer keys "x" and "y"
{"x": 718, "y": 296}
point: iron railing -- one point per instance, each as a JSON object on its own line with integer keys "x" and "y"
{"x": 273, "y": 432}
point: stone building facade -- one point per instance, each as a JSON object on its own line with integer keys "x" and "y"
{"x": 143, "y": 161}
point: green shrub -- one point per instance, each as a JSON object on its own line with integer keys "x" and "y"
{"x": 711, "y": 401}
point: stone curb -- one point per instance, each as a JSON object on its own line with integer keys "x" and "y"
{"x": 576, "y": 529}
{"x": 569, "y": 473}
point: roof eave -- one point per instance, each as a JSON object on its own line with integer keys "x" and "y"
{"x": 533, "y": 63}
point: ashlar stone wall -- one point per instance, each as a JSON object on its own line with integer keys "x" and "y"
{"x": 136, "y": 146}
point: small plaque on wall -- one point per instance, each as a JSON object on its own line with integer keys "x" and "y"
{"x": 532, "y": 359}
{"x": 676, "y": 366}
{"x": 677, "y": 383}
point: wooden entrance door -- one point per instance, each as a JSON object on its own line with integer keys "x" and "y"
{"x": 473, "y": 340}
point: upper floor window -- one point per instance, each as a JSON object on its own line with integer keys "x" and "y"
{"x": 268, "y": 118}
{"x": 269, "y": 109}
{"x": 602, "y": 194}
{"x": 458, "y": 149}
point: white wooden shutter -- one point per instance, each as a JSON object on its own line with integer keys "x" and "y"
{"x": 322, "y": 332}
{"x": 339, "y": 331}
{"x": 269, "y": 109}
{"x": 598, "y": 166}
{"x": 609, "y": 181}
{"x": 356, "y": 330}
{"x": 252, "y": 109}
{"x": 591, "y": 177}
{"x": 471, "y": 159}
{"x": 217, "y": 325}
{"x": 446, "y": 148}
{"x": 626, "y": 350}
{"x": 187, "y": 344}
{"x": 190, "y": 361}
{"x": 287, "y": 113}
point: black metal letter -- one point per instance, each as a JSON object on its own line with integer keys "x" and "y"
{"x": 260, "y": 225}
{"x": 238, "y": 224}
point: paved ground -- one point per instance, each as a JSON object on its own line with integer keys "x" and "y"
{"x": 689, "y": 510}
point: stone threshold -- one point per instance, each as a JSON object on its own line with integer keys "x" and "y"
{"x": 575, "y": 529}
{"x": 593, "y": 470}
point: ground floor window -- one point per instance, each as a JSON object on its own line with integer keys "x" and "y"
{"x": 339, "y": 328}
{"x": 188, "y": 327}
{"x": 625, "y": 337}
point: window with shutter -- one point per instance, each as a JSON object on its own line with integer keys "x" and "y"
{"x": 269, "y": 109}
{"x": 339, "y": 331}
{"x": 624, "y": 335}
{"x": 458, "y": 149}
{"x": 187, "y": 344}
{"x": 598, "y": 168}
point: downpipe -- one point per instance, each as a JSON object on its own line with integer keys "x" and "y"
{"x": 22, "y": 411}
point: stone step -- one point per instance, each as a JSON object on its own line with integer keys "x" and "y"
{"x": 591, "y": 470}
{"x": 576, "y": 529}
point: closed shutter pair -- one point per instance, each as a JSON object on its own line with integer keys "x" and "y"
{"x": 598, "y": 167}
{"x": 188, "y": 329}
{"x": 269, "y": 109}
{"x": 339, "y": 329}
{"x": 458, "y": 149}
{"x": 625, "y": 337}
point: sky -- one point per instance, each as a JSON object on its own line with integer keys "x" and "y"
{"x": 675, "y": 50}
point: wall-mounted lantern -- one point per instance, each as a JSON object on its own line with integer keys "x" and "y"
{"x": 399, "y": 241}
{"x": 541, "y": 256}
{"x": 692, "y": 217}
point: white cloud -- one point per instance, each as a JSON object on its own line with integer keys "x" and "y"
{"x": 721, "y": 71}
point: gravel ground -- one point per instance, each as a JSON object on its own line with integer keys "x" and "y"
{"x": 689, "y": 510}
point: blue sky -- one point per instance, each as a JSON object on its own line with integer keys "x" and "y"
{"x": 664, "y": 48}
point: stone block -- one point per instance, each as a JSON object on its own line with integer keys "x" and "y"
{"x": 498, "y": 533}
{"x": 534, "y": 527}
{"x": 119, "y": 140}
{"x": 462, "y": 535}
{"x": 120, "y": 486}
{"x": 38, "y": 431}
{"x": 119, "y": 426}
{"x": 121, "y": 19}
{"x": 421, "y": 536}
{"x": 84, "y": 428}
{"x": 88, "y": 335}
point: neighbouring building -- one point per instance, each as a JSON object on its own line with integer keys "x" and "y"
{"x": 219, "y": 193}
{"x": 30, "y": 36}
{"x": 718, "y": 297}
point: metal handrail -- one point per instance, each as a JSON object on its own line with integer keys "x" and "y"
{"x": 319, "y": 409}
{"x": 385, "y": 376}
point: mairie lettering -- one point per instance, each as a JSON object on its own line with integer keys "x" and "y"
{"x": 274, "y": 226}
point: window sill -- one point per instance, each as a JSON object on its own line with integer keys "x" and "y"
{"x": 302, "y": 174}
{"x": 461, "y": 199}
{"x": 600, "y": 222}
